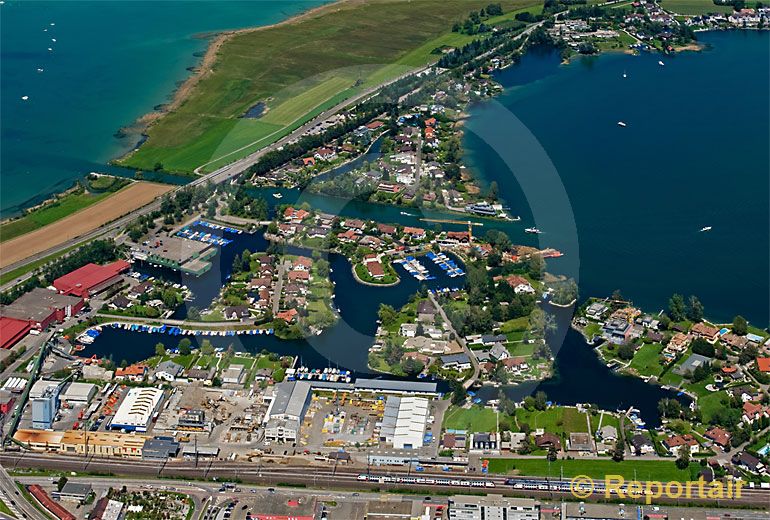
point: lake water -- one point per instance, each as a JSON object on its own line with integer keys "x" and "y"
{"x": 111, "y": 63}
{"x": 694, "y": 153}
{"x": 624, "y": 204}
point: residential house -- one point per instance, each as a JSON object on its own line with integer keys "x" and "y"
{"x": 135, "y": 373}
{"x": 642, "y": 444}
{"x": 547, "y": 440}
{"x": 748, "y": 461}
{"x": 499, "y": 352}
{"x": 288, "y": 315}
{"x": 580, "y": 442}
{"x": 718, "y": 436}
{"x": 167, "y": 371}
{"x": 707, "y": 332}
{"x": 456, "y": 361}
{"x": 608, "y": 433}
{"x": 617, "y": 331}
{"x": 408, "y": 330}
{"x": 484, "y": 441}
{"x": 236, "y": 312}
{"x": 674, "y": 443}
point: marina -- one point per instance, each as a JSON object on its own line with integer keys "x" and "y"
{"x": 413, "y": 266}
{"x": 448, "y": 265}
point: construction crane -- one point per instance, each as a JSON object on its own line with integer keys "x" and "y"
{"x": 469, "y": 223}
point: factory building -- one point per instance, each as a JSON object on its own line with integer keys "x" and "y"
{"x": 137, "y": 409}
{"x": 91, "y": 279}
{"x": 403, "y": 422}
{"x": 287, "y": 410}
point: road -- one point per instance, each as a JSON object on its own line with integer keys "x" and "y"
{"x": 461, "y": 341}
{"x": 14, "y": 499}
{"x": 218, "y": 176}
{"x": 326, "y": 477}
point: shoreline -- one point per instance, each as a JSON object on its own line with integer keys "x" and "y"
{"x": 205, "y": 67}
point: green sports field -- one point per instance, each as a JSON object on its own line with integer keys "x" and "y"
{"x": 298, "y": 69}
{"x": 694, "y": 7}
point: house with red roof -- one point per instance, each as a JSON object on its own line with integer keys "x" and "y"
{"x": 135, "y": 373}
{"x": 288, "y": 315}
{"x": 374, "y": 125}
{"x": 763, "y": 364}
{"x": 718, "y": 436}
{"x": 675, "y": 442}
{"x": 754, "y": 411}
{"x": 91, "y": 279}
{"x": 707, "y": 332}
{"x": 299, "y": 276}
{"x": 325, "y": 154}
{"x": 375, "y": 269}
{"x": 348, "y": 236}
{"x": 518, "y": 283}
{"x": 302, "y": 263}
{"x": 414, "y": 232}
{"x": 308, "y": 161}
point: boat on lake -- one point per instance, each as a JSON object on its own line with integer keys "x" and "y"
{"x": 661, "y": 63}
{"x": 705, "y": 228}
{"x": 277, "y": 195}
{"x": 621, "y": 123}
{"x": 533, "y": 231}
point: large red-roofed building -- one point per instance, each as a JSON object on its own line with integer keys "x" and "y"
{"x": 90, "y": 279}
{"x": 12, "y": 330}
{"x": 56, "y": 509}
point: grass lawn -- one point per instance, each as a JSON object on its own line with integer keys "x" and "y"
{"x": 474, "y": 419}
{"x": 5, "y": 510}
{"x": 664, "y": 470}
{"x": 646, "y": 360}
{"x": 604, "y": 419}
{"x": 709, "y": 404}
{"x": 247, "y": 362}
{"x": 592, "y": 329}
{"x": 521, "y": 349}
{"x": 515, "y": 325}
{"x": 694, "y": 6}
{"x": 321, "y": 54}
{"x": 66, "y": 205}
{"x": 558, "y": 420}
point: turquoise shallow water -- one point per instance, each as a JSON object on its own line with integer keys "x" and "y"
{"x": 111, "y": 63}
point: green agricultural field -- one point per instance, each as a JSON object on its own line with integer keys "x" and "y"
{"x": 66, "y": 205}
{"x": 473, "y": 419}
{"x": 664, "y": 470}
{"x": 694, "y": 7}
{"x": 330, "y": 56}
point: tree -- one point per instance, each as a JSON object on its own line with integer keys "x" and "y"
{"x": 412, "y": 367}
{"x": 695, "y": 309}
{"x": 619, "y": 452}
{"x": 541, "y": 400}
{"x": 160, "y": 349}
{"x": 683, "y": 460}
{"x": 740, "y": 326}
{"x": 459, "y": 394}
{"x": 193, "y": 313}
{"x": 702, "y": 347}
{"x": 626, "y": 351}
{"x": 207, "y": 348}
{"x": 61, "y": 482}
{"x": 670, "y": 408}
{"x": 387, "y": 314}
{"x": 676, "y": 307}
{"x": 552, "y": 454}
{"x": 184, "y": 346}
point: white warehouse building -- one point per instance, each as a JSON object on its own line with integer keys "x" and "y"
{"x": 137, "y": 409}
{"x": 404, "y": 420}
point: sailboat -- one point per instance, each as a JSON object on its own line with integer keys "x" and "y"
{"x": 624, "y": 74}
{"x": 704, "y": 229}
{"x": 661, "y": 63}
{"x": 621, "y": 123}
